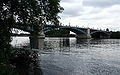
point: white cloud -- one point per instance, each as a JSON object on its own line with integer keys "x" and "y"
{"x": 100, "y": 3}
{"x": 72, "y": 8}
{"x": 91, "y": 13}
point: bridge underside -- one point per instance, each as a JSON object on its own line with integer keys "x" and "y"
{"x": 79, "y": 33}
{"x": 86, "y": 34}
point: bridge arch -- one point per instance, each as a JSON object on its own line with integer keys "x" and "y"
{"x": 73, "y": 29}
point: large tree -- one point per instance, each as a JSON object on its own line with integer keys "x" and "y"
{"x": 25, "y": 12}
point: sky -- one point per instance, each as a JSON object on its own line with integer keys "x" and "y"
{"x": 98, "y": 14}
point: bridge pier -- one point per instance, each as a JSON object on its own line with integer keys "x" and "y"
{"x": 84, "y": 36}
{"x": 36, "y": 42}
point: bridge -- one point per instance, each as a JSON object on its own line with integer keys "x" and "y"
{"x": 83, "y": 33}
{"x": 80, "y": 32}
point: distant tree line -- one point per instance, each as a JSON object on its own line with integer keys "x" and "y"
{"x": 58, "y": 33}
{"x": 115, "y": 35}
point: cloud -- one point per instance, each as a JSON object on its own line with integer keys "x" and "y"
{"x": 67, "y": 1}
{"x": 72, "y": 8}
{"x": 92, "y": 13}
{"x": 100, "y": 3}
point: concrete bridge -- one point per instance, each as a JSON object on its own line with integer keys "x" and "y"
{"x": 83, "y": 33}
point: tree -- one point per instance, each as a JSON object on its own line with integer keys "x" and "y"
{"x": 25, "y": 12}
{"x": 35, "y": 12}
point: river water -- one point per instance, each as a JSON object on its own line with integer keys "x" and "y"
{"x": 71, "y": 56}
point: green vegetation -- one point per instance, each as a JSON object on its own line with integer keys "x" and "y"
{"x": 115, "y": 35}
{"x": 58, "y": 32}
{"x": 23, "y": 12}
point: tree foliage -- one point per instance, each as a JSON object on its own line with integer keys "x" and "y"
{"x": 25, "y": 12}
{"x": 35, "y": 12}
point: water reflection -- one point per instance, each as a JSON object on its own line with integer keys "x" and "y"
{"x": 70, "y": 56}
{"x": 57, "y": 45}
{"x": 82, "y": 41}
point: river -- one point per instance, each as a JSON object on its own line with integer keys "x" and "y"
{"x": 71, "y": 56}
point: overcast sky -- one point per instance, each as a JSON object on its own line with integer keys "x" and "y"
{"x": 91, "y": 13}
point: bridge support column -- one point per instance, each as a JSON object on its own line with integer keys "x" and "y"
{"x": 88, "y": 33}
{"x": 36, "y": 42}
{"x": 85, "y": 36}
